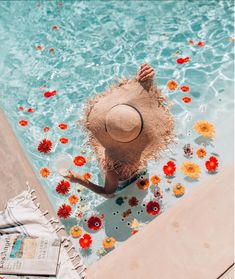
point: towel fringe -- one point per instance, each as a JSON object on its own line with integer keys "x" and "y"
{"x": 45, "y": 213}
{"x": 34, "y": 198}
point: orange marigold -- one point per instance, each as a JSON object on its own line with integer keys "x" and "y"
{"x": 201, "y": 153}
{"x": 23, "y": 122}
{"x": 142, "y": 183}
{"x": 155, "y": 180}
{"x": 172, "y": 85}
{"x": 45, "y": 172}
{"x": 73, "y": 199}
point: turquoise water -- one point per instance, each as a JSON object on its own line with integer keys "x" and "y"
{"x": 96, "y": 42}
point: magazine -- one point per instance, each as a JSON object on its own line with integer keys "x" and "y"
{"x": 20, "y": 254}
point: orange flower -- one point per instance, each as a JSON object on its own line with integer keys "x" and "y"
{"x": 155, "y": 180}
{"x": 52, "y": 50}
{"x": 63, "y": 126}
{"x": 184, "y": 88}
{"x": 73, "y": 199}
{"x": 201, "y": 153}
{"x": 21, "y": 108}
{"x": 86, "y": 176}
{"x": 46, "y": 129}
{"x": 54, "y": 27}
{"x": 31, "y": 110}
{"x": 172, "y": 85}
{"x": 205, "y": 129}
{"x": 64, "y": 140}
{"x": 142, "y": 183}
{"x": 44, "y": 172}
{"x": 200, "y": 44}
{"x": 108, "y": 242}
{"x": 187, "y": 99}
{"x": 79, "y": 161}
{"x": 23, "y": 122}
{"x": 75, "y": 231}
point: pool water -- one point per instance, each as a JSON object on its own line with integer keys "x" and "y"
{"x": 79, "y": 49}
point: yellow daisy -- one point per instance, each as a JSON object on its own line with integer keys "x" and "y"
{"x": 205, "y": 129}
{"x": 191, "y": 169}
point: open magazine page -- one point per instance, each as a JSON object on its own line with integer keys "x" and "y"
{"x": 20, "y": 254}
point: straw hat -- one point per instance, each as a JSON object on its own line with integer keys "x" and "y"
{"x": 127, "y": 126}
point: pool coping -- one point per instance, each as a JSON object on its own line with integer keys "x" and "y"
{"x": 213, "y": 254}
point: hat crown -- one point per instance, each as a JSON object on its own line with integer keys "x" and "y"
{"x": 123, "y": 123}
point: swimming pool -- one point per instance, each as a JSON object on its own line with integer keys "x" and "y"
{"x": 78, "y": 49}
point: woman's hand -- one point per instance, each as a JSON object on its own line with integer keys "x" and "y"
{"x": 146, "y": 72}
{"x": 74, "y": 177}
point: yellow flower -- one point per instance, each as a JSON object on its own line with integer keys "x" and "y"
{"x": 44, "y": 172}
{"x": 73, "y": 199}
{"x": 191, "y": 169}
{"x": 205, "y": 129}
{"x": 178, "y": 190}
{"x": 135, "y": 224}
{"x": 155, "y": 180}
{"x": 109, "y": 242}
{"x": 201, "y": 153}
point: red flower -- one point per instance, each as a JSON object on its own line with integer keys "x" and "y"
{"x": 169, "y": 169}
{"x": 184, "y": 88}
{"x": 39, "y": 47}
{"x": 187, "y": 99}
{"x": 63, "y": 126}
{"x": 182, "y": 60}
{"x": 64, "y": 140}
{"x": 52, "y": 50}
{"x": 21, "y": 108}
{"x": 200, "y": 44}
{"x": 133, "y": 201}
{"x": 94, "y": 223}
{"x": 153, "y": 208}
{"x": 31, "y": 110}
{"x": 63, "y": 187}
{"x": 49, "y": 94}
{"x": 79, "y": 161}
{"x": 45, "y": 146}
{"x": 46, "y": 129}
{"x": 191, "y": 42}
{"x": 212, "y": 164}
{"x": 85, "y": 241}
{"x": 64, "y": 211}
{"x": 54, "y": 27}
{"x": 23, "y": 122}
{"x": 134, "y": 232}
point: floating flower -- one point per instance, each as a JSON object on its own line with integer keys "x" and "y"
{"x": 201, "y": 153}
{"x": 134, "y": 224}
{"x": 44, "y": 172}
{"x": 73, "y": 199}
{"x": 157, "y": 193}
{"x": 126, "y": 213}
{"x": 86, "y": 176}
{"x": 188, "y": 150}
{"x": 205, "y": 129}
{"x": 31, "y": 110}
{"x": 200, "y": 44}
{"x": 45, "y": 146}
{"x": 134, "y": 232}
{"x": 94, "y": 223}
{"x": 169, "y": 169}
{"x": 133, "y": 201}
{"x": 46, "y": 129}
{"x": 85, "y": 241}
{"x": 153, "y": 208}
{"x": 52, "y": 50}
{"x": 155, "y": 179}
{"x": 108, "y": 242}
{"x": 187, "y": 99}
{"x": 63, "y": 187}
{"x": 119, "y": 201}
{"x": 39, "y": 47}
{"x": 172, "y": 85}
{"x": 191, "y": 169}
{"x": 75, "y": 231}
{"x": 178, "y": 190}
{"x": 64, "y": 211}
{"x": 142, "y": 183}
{"x": 49, "y": 94}
{"x": 23, "y": 122}
{"x": 183, "y": 60}
{"x": 21, "y": 108}
{"x": 63, "y": 126}
{"x": 212, "y": 164}
{"x": 79, "y": 161}
{"x": 184, "y": 88}
{"x": 191, "y": 42}
{"x": 64, "y": 140}
{"x": 54, "y": 27}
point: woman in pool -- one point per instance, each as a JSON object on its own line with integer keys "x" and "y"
{"x": 127, "y": 125}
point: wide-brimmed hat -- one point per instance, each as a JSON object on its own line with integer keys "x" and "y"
{"x": 128, "y": 125}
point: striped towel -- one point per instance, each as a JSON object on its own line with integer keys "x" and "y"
{"x": 22, "y": 216}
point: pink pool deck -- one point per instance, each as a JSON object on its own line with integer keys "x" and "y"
{"x": 193, "y": 239}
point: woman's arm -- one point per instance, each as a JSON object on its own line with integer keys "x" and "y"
{"x": 111, "y": 183}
